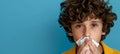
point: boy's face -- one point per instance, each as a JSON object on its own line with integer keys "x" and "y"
{"x": 90, "y": 27}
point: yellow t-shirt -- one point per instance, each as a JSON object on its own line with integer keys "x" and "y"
{"x": 107, "y": 50}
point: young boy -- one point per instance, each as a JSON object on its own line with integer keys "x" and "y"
{"x": 87, "y": 22}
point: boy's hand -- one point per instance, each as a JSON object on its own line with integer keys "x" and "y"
{"x": 88, "y": 48}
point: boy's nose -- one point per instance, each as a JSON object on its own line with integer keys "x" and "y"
{"x": 87, "y": 31}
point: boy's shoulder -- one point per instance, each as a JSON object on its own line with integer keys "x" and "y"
{"x": 71, "y": 51}
{"x": 107, "y": 50}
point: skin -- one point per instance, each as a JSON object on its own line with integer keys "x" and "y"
{"x": 91, "y": 28}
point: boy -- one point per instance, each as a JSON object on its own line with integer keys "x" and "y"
{"x": 87, "y": 22}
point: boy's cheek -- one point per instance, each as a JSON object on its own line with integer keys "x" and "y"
{"x": 96, "y": 36}
{"x": 77, "y": 35}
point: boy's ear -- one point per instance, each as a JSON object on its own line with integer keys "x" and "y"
{"x": 70, "y": 34}
{"x": 103, "y": 33}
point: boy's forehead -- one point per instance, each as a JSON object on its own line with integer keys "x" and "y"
{"x": 89, "y": 17}
{"x": 89, "y": 20}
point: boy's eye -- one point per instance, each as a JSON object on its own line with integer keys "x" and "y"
{"x": 78, "y": 26}
{"x": 94, "y": 25}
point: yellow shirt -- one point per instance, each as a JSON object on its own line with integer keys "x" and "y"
{"x": 107, "y": 50}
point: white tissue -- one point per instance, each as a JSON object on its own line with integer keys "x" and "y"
{"x": 82, "y": 40}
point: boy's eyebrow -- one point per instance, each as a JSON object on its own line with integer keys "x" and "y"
{"x": 78, "y": 22}
{"x": 96, "y": 21}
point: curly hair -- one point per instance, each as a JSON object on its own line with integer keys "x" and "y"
{"x": 73, "y": 10}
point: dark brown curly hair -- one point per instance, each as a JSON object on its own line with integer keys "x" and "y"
{"x": 73, "y": 10}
